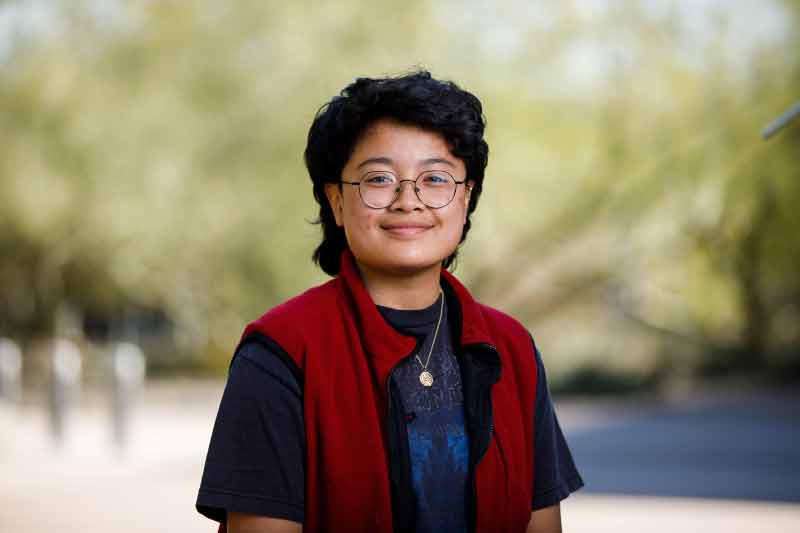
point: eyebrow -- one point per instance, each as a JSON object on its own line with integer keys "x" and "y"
{"x": 389, "y": 161}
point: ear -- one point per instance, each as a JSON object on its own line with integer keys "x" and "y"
{"x": 334, "y": 193}
{"x": 467, "y": 195}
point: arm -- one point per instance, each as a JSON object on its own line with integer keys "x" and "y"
{"x": 248, "y": 523}
{"x": 254, "y": 464}
{"x": 555, "y": 474}
{"x": 547, "y": 520}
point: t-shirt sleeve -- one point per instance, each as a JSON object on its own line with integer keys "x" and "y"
{"x": 554, "y": 473}
{"x": 255, "y": 461}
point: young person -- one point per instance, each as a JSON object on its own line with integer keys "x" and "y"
{"x": 388, "y": 398}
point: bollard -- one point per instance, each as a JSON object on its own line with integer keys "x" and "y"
{"x": 10, "y": 371}
{"x": 65, "y": 379}
{"x": 128, "y": 368}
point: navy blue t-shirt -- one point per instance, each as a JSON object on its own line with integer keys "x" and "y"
{"x": 255, "y": 461}
{"x": 437, "y": 438}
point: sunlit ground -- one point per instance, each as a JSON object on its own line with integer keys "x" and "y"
{"x": 87, "y": 486}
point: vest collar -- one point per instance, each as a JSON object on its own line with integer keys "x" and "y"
{"x": 381, "y": 340}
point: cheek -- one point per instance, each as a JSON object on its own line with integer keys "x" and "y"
{"x": 454, "y": 223}
{"x": 358, "y": 222}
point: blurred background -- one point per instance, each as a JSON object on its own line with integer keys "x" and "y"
{"x": 153, "y": 200}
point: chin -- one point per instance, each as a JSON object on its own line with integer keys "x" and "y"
{"x": 401, "y": 263}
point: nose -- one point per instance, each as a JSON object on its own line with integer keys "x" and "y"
{"x": 407, "y": 199}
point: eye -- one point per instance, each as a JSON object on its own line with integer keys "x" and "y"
{"x": 436, "y": 178}
{"x": 379, "y": 178}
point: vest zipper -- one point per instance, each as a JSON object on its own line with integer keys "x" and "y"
{"x": 482, "y": 452}
{"x": 394, "y": 446}
{"x": 473, "y": 462}
{"x": 490, "y": 347}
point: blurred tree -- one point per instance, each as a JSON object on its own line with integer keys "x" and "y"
{"x": 685, "y": 220}
{"x": 151, "y": 166}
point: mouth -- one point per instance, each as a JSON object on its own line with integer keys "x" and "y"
{"x": 405, "y": 229}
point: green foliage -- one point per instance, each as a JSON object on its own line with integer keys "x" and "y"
{"x": 151, "y": 158}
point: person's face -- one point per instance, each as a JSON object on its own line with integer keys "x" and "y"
{"x": 407, "y": 236}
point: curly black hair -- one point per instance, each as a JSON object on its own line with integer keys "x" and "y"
{"x": 416, "y": 99}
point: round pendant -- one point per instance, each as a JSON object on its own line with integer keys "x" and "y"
{"x": 426, "y": 378}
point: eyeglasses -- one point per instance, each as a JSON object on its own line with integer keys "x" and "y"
{"x": 380, "y": 188}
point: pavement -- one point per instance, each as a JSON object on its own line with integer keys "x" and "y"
{"x": 716, "y": 463}
{"x": 725, "y": 447}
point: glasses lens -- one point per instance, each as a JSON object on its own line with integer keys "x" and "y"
{"x": 378, "y": 189}
{"x": 436, "y": 188}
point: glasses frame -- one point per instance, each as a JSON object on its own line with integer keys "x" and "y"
{"x": 400, "y": 187}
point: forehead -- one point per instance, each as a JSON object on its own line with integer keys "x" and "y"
{"x": 402, "y": 144}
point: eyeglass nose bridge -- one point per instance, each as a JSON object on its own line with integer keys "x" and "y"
{"x": 400, "y": 186}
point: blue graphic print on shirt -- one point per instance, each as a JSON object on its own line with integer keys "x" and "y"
{"x": 439, "y": 460}
{"x": 437, "y": 438}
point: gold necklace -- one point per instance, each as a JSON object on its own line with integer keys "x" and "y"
{"x": 425, "y": 377}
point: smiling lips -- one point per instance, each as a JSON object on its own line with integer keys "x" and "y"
{"x": 406, "y": 228}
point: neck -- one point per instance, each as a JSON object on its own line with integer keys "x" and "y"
{"x": 402, "y": 291}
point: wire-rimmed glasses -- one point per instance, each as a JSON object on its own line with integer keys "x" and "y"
{"x": 379, "y": 189}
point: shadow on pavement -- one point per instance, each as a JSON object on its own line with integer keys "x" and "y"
{"x": 743, "y": 447}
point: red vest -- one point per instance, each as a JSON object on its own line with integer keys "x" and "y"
{"x": 357, "y": 470}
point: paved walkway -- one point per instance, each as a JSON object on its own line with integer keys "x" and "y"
{"x": 87, "y": 487}
{"x": 737, "y": 447}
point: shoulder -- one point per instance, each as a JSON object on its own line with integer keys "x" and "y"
{"x": 504, "y": 325}
{"x": 514, "y": 343}
{"x": 314, "y": 300}
{"x": 262, "y": 357}
{"x": 478, "y": 316}
{"x": 298, "y": 310}
{"x": 289, "y": 324}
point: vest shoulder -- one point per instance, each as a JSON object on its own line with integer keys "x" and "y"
{"x": 302, "y": 307}
{"x": 514, "y": 344}
{"x": 290, "y": 323}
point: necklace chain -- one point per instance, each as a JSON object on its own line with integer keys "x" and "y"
{"x": 425, "y": 377}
